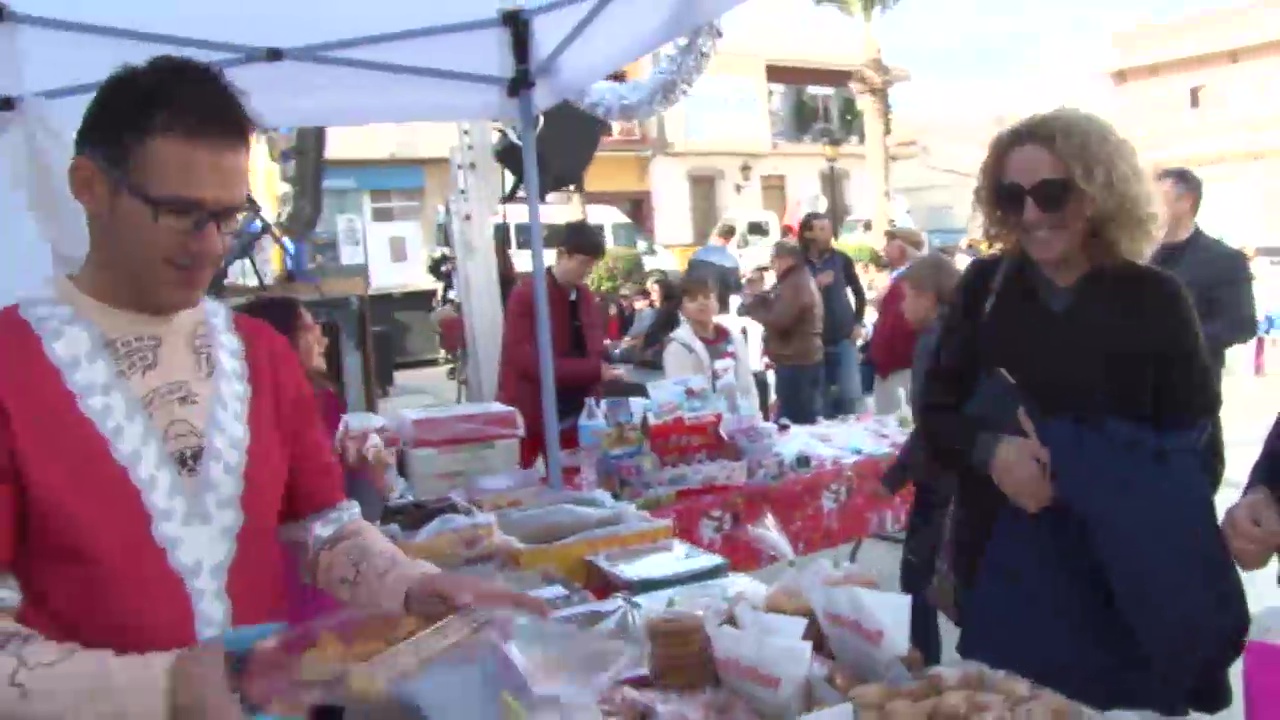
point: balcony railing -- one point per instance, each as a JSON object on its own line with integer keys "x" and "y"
{"x": 627, "y": 133}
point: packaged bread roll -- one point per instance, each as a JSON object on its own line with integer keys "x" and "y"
{"x": 871, "y": 696}
{"x": 1013, "y": 687}
{"x": 904, "y": 709}
{"x": 953, "y": 705}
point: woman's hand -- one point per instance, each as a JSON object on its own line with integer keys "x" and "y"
{"x": 436, "y": 594}
{"x": 1020, "y": 468}
{"x": 1252, "y": 529}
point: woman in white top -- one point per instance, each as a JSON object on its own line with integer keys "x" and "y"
{"x": 702, "y": 346}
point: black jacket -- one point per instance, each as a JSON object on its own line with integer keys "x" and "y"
{"x": 839, "y": 317}
{"x": 1126, "y": 347}
{"x": 1218, "y": 278}
{"x": 1266, "y": 469}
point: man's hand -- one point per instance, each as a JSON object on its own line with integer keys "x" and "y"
{"x": 610, "y": 372}
{"x": 1020, "y": 468}
{"x": 1252, "y": 529}
{"x": 199, "y": 686}
{"x": 825, "y": 278}
{"x": 437, "y": 594}
{"x": 857, "y": 333}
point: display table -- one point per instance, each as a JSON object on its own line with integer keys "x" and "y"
{"x": 816, "y": 511}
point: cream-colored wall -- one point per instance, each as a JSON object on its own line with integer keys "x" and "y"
{"x": 1237, "y": 99}
{"x": 1197, "y": 34}
{"x": 737, "y": 78}
{"x": 391, "y": 141}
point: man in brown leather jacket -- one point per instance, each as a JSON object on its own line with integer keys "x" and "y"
{"x": 792, "y": 318}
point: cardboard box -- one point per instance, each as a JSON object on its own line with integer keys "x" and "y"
{"x": 438, "y": 471}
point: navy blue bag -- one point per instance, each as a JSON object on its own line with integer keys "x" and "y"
{"x": 1122, "y": 594}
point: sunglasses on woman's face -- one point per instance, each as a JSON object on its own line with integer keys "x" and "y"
{"x": 1050, "y": 195}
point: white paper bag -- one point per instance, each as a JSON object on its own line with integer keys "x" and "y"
{"x": 784, "y": 627}
{"x": 867, "y": 630}
{"x": 770, "y": 674}
{"x": 843, "y": 711}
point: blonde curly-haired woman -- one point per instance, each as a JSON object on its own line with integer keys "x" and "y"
{"x": 1077, "y": 513}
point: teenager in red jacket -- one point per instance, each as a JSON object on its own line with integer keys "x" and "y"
{"x": 894, "y": 340}
{"x": 577, "y": 342}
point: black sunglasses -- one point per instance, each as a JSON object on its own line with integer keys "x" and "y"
{"x": 178, "y": 213}
{"x": 1051, "y": 195}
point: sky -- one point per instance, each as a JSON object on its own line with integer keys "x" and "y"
{"x": 1011, "y": 55}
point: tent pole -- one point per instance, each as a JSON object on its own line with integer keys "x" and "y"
{"x": 522, "y": 85}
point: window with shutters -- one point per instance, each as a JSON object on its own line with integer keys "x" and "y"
{"x": 773, "y": 195}
{"x": 395, "y": 205}
{"x": 704, "y": 206}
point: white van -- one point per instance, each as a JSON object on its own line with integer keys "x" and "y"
{"x": 758, "y": 231}
{"x": 510, "y": 224}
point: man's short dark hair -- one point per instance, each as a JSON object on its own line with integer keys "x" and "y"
{"x": 1187, "y": 183}
{"x": 726, "y": 232}
{"x": 580, "y": 238}
{"x": 168, "y": 96}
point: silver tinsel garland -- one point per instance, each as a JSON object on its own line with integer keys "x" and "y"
{"x": 674, "y": 72}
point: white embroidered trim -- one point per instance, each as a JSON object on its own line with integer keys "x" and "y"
{"x": 196, "y": 526}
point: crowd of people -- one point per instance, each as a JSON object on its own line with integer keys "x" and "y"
{"x": 795, "y": 331}
{"x": 1066, "y": 393}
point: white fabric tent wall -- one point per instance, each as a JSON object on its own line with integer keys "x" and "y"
{"x": 357, "y": 63}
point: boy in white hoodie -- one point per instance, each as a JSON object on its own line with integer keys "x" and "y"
{"x": 702, "y": 346}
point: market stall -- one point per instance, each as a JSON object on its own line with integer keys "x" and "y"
{"x": 644, "y": 625}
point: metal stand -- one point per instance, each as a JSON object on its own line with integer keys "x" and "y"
{"x": 521, "y": 87}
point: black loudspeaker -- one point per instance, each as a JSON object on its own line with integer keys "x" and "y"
{"x": 567, "y": 139}
{"x": 306, "y": 178}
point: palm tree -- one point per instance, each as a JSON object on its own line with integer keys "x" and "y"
{"x": 872, "y": 79}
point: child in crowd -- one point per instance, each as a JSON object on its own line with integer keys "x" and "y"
{"x": 928, "y": 284}
{"x": 701, "y": 345}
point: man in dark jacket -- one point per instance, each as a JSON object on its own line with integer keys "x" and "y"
{"x": 792, "y": 318}
{"x": 1216, "y": 276}
{"x": 842, "y": 320}
{"x": 714, "y": 263}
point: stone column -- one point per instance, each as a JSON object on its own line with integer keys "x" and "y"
{"x": 872, "y": 81}
{"x": 877, "y": 157}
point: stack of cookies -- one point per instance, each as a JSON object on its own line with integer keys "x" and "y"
{"x": 680, "y": 652}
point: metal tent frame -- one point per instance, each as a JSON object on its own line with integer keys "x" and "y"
{"x": 517, "y": 23}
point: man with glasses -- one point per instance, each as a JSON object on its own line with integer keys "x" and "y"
{"x": 1216, "y": 275}
{"x": 152, "y": 445}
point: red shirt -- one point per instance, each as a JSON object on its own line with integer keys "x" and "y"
{"x": 74, "y": 527}
{"x": 894, "y": 340}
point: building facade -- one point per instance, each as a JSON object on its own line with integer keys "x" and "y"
{"x": 744, "y": 140}
{"x": 750, "y": 135}
{"x": 1197, "y": 93}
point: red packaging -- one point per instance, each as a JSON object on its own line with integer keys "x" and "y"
{"x": 684, "y": 441}
{"x": 459, "y": 425}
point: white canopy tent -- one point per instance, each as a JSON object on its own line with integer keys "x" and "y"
{"x": 303, "y": 63}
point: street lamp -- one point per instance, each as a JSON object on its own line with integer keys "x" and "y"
{"x": 831, "y": 143}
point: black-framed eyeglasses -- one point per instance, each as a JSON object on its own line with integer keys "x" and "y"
{"x": 1051, "y": 195}
{"x": 179, "y": 213}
